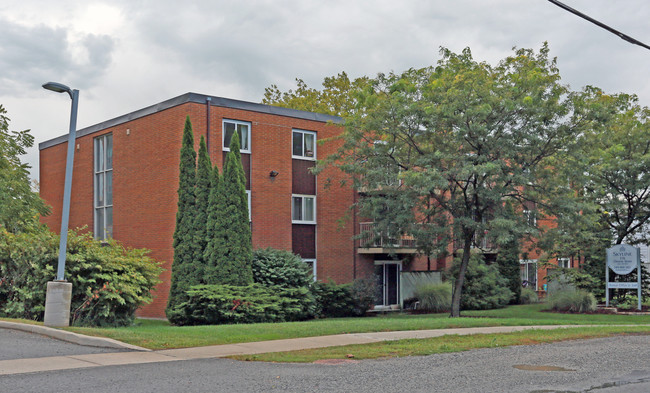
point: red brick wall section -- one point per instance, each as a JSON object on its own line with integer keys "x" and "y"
{"x": 145, "y": 182}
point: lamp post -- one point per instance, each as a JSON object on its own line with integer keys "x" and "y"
{"x": 59, "y": 292}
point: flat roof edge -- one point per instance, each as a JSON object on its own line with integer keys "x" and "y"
{"x": 200, "y": 99}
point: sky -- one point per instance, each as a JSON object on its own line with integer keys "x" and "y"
{"x": 127, "y": 55}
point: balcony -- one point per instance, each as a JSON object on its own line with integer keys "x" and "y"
{"x": 481, "y": 242}
{"x": 371, "y": 244}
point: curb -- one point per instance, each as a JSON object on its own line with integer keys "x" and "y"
{"x": 71, "y": 337}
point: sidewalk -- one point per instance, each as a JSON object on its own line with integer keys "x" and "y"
{"x": 142, "y": 355}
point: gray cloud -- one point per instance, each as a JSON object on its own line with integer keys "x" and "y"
{"x": 30, "y": 56}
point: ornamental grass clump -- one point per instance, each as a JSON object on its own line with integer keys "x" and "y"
{"x": 434, "y": 297}
{"x": 528, "y": 296}
{"x": 571, "y": 300}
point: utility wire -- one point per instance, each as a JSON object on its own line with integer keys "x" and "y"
{"x": 597, "y": 23}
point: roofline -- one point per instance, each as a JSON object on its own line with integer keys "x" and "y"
{"x": 198, "y": 99}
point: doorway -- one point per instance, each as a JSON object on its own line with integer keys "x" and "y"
{"x": 387, "y": 276}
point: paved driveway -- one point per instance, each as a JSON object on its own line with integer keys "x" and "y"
{"x": 15, "y": 344}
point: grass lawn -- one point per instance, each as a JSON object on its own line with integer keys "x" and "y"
{"x": 451, "y": 343}
{"x": 155, "y": 334}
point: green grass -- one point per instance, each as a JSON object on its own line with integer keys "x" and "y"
{"x": 155, "y": 334}
{"x": 452, "y": 343}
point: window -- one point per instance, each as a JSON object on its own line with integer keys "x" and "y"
{"x": 303, "y": 209}
{"x": 248, "y": 196}
{"x": 528, "y": 273}
{"x": 564, "y": 262}
{"x": 243, "y": 130}
{"x": 103, "y": 216}
{"x": 304, "y": 145}
{"x": 312, "y": 265}
{"x": 531, "y": 217}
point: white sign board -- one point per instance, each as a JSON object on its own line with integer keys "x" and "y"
{"x": 622, "y": 258}
{"x": 623, "y": 285}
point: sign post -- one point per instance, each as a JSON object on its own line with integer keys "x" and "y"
{"x": 623, "y": 259}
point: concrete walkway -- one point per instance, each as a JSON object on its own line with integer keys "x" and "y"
{"x": 138, "y": 355}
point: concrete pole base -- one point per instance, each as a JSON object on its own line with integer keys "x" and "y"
{"x": 57, "y": 303}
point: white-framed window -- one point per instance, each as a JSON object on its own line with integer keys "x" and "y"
{"x": 303, "y": 145}
{"x": 248, "y": 195}
{"x": 564, "y": 262}
{"x": 243, "y": 128}
{"x": 528, "y": 272}
{"x": 531, "y": 217}
{"x": 303, "y": 209}
{"x": 103, "y": 187}
{"x": 312, "y": 264}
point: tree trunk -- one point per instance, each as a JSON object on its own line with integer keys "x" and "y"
{"x": 458, "y": 286}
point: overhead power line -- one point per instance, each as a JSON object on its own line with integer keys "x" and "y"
{"x": 597, "y": 23}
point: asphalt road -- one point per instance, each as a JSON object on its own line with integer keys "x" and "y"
{"x": 619, "y": 364}
{"x": 15, "y": 344}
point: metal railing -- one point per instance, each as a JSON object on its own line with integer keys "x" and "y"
{"x": 371, "y": 239}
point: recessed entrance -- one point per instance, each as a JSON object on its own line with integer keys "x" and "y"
{"x": 387, "y": 279}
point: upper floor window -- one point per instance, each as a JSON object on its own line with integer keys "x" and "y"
{"x": 304, "y": 145}
{"x": 103, "y": 190}
{"x": 243, "y": 129}
{"x": 564, "y": 262}
{"x": 303, "y": 209}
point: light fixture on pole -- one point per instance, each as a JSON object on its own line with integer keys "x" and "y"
{"x": 58, "y": 297}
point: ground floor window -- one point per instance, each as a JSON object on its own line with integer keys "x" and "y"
{"x": 528, "y": 273}
{"x": 564, "y": 262}
{"x": 387, "y": 277}
{"x": 312, "y": 265}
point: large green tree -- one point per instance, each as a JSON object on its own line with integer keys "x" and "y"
{"x": 451, "y": 151}
{"x": 613, "y": 161}
{"x": 20, "y": 207}
{"x": 182, "y": 266}
{"x": 229, "y": 250}
{"x": 337, "y": 96}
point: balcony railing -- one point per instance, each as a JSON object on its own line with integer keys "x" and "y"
{"x": 481, "y": 241}
{"x": 369, "y": 238}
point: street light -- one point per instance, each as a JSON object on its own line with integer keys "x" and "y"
{"x": 59, "y": 292}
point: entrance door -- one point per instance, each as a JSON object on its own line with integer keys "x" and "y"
{"x": 387, "y": 278}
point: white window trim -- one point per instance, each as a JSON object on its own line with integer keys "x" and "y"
{"x": 101, "y": 233}
{"x": 530, "y": 261}
{"x": 248, "y": 195}
{"x": 223, "y": 134}
{"x": 566, "y": 261}
{"x": 313, "y": 262}
{"x": 296, "y": 130}
{"x": 303, "y": 209}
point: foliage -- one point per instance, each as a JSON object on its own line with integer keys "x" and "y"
{"x": 578, "y": 300}
{"x": 559, "y": 279}
{"x": 281, "y": 268}
{"x": 20, "y": 207}
{"x": 255, "y": 303}
{"x": 184, "y": 247}
{"x": 337, "y": 97}
{"x": 508, "y": 265}
{"x": 229, "y": 250}
{"x": 343, "y": 300}
{"x": 484, "y": 288}
{"x": 528, "y": 296}
{"x": 434, "y": 297}
{"x": 453, "y": 150}
{"x": 613, "y": 160}
{"x": 202, "y": 191}
{"x": 109, "y": 282}
{"x": 214, "y": 217}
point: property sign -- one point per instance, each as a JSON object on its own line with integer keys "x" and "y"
{"x": 622, "y": 258}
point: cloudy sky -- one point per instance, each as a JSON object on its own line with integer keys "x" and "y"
{"x": 126, "y": 55}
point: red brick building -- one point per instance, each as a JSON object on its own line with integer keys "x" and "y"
{"x": 126, "y": 178}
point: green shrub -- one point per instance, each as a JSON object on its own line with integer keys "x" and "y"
{"x": 108, "y": 282}
{"x": 578, "y": 301}
{"x": 343, "y": 300}
{"x": 434, "y": 297}
{"x": 528, "y": 296}
{"x": 484, "y": 288}
{"x": 255, "y": 303}
{"x": 282, "y": 268}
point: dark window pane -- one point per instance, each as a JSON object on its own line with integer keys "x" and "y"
{"x": 109, "y": 151}
{"x": 297, "y": 144}
{"x": 297, "y": 209}
{"x": 109, "y": 188}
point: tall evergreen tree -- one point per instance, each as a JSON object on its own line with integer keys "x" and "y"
{"x": 214, "y": 216}
{"x": 202, "y": 191}
{"x": 230, "y": 249}
{"x": 183, "y": 234}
